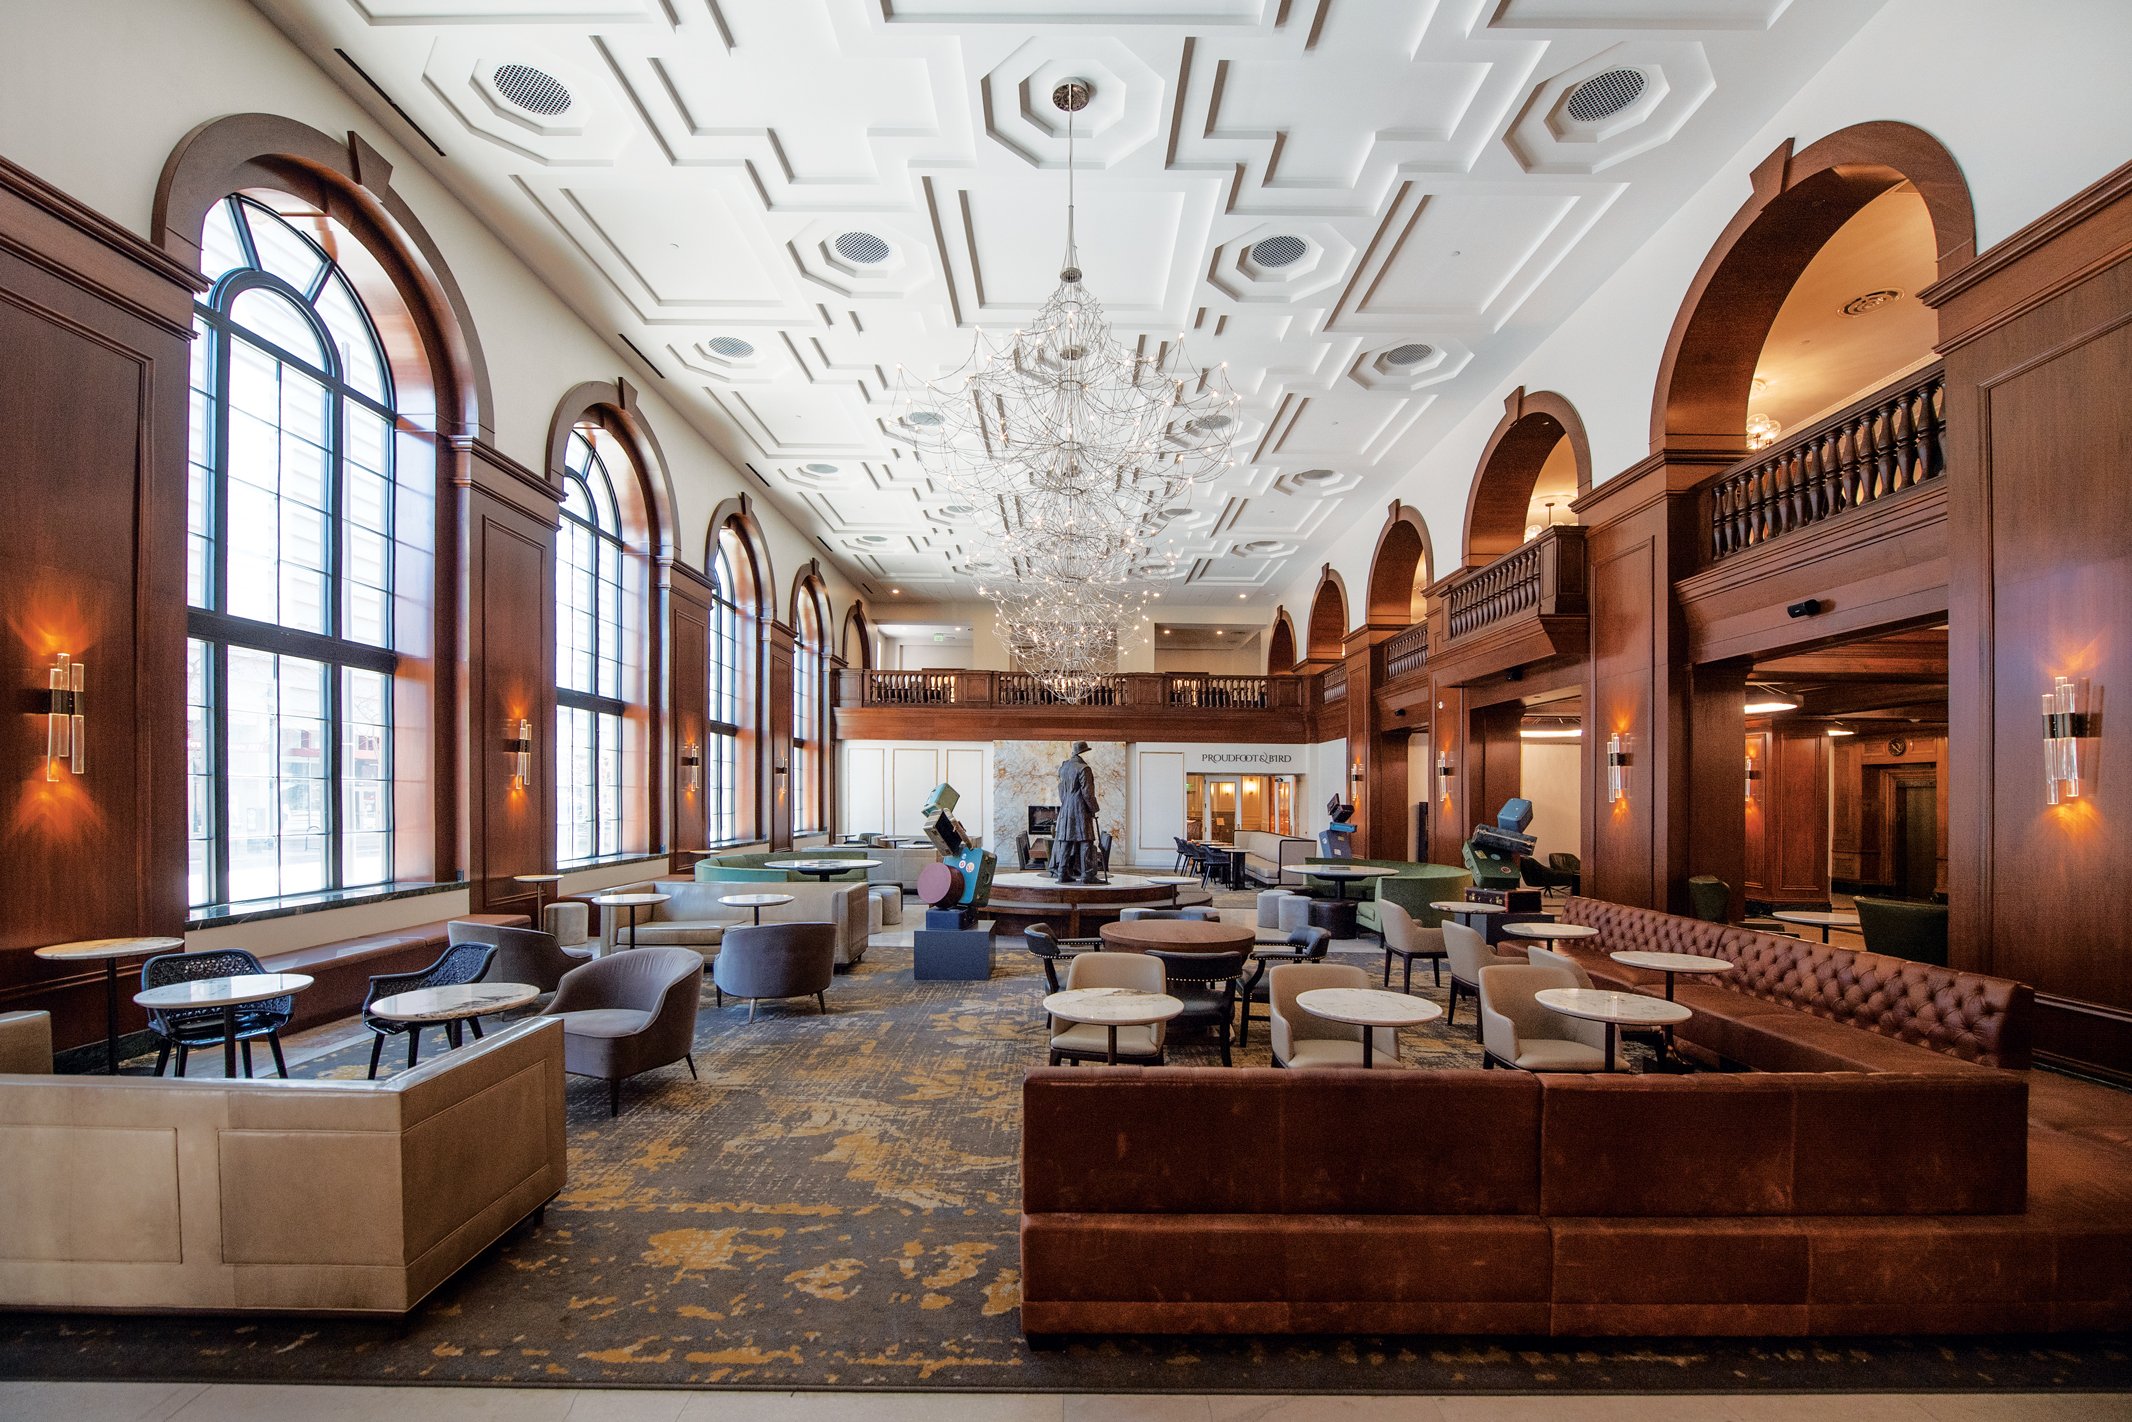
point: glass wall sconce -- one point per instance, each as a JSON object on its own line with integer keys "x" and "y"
{"x": 1754, "y": 773}
{"x": 518, "y": 745}
{"x": 1617, "y": 759}
{"x": 66, "y": 737}
{"x": 691, "y": 766}
{"x": 1443, "y": 767}
{"x": 2068, "y": 721}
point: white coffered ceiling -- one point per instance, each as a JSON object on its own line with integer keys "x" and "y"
{"x": 697, "y": 189}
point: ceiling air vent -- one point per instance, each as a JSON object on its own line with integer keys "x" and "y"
{"x": 534, "y": 90}
{"x": 861, "y": 247}
{"x": 731, "y": 347}
{"x": 923, "y": 419}
{"x": 1283, "y": 251}
{"x": 819, "y": 468}
{"x": 1605, "y": 94}
{"x": 1871, "y": 301}
{"x": 1412, "y": 353}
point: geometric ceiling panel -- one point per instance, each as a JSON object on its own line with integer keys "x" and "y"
{"x": 1366, "y": 211}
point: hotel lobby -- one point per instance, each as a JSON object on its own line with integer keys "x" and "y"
{"x": 1065, "y": 709}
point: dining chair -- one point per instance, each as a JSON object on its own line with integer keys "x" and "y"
{"x": 1078, "y": 1041}
{"x": 1517, "y": 1031}
{"x": 1206, "y": 984}
{"x": 1467, "y": 953}
{"x": 1305, "y": 1041}
{"x": 1305, "y": 945}
{"x": 183, "y": 1031}
{"x": 1409, "y": 940}
{"x": 464, "y": 964}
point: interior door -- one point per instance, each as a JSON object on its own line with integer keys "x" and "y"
{"x": 1221, "y": 810}
{"x": 1917, "y": 837}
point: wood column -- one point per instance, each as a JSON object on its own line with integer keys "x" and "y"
{"x": 1715, "y": 803}
{"x": 779, "y": 642}
{"x": 685, "y": 595}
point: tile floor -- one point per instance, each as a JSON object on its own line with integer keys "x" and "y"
{"x": 152, "y": 1402}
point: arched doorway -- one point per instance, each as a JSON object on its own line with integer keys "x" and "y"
{"x": 1401, "y": 570}
{"x": 1280, "y": 644}
{"x": 1328, "y": 619}
{"x": 1537, "y": 462}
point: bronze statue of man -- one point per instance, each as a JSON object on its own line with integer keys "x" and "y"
{"x": 1073, "y": 850}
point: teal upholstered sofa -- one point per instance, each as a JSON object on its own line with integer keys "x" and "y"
{"x": 1413, "y": 888}
{"x": 759, "y": 861}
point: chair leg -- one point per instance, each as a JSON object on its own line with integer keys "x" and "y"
{"x": 614, "y": 1098}
{"x": 474, "y": 1023}
{"x": 690, "y": 1062}
{"x": 1451, "y": 1012}
{"x": 1225, "y": 1059}
{"x": 377, "y": 1048}
{"x": 162, "y": 1058}
{"x": 281, "y": 1063}
{"x": 751, "y": 1008}
{"x": 1408, "y": 986}
{"x": 821, "y": 1003}
{"x": 1436, "y": 971}
{"x": 244, "y": 1051}
{"x": 721, "y": 995}
{"x": 1388, "y": 965}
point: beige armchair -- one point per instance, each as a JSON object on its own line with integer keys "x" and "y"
{"x": 1518, "y": 1032}
{"x": 1548, "y": 958}
{"x": 1409, "y": 940}
{"x": 628, "y": 1013}
{"x": 1306, "y": 1041}
{"x": 1468, "y": 953}
{"x": 1079, "y": 1041}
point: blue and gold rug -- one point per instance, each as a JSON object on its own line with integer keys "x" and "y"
{"x": 834, "y": 1205}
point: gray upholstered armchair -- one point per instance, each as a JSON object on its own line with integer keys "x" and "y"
{"x": 628, "y": 1013}
{"x": 776, "y": 960}
{"x": 523, "y": 955}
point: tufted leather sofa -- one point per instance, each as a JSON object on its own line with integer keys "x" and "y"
{"x": 1791, "y": 1005}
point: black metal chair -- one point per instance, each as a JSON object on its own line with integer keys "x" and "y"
{"x": 1051, "y": 950}
{"x": 1305, "y": 945}
{"x": 204, "y": 1027}
{"x": 1206, "y": 984}
{"x": 467, "y": 963}
{"x": 1546, "y": 878}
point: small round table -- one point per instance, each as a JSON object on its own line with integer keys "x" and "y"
{"x": 757, "y": 902}
{"x": 1369, "y": 1009}
{"x": 1466, "y": 908}
{"x": 1615, "y": 1009}
{"x": 1817, "y": 918}
{"x": 1112, "y": 1008}
{"x": 541, "y": 884}
{"x": 631, "y": 902}
{"x": 110, "y": 950}
{"x": 1671, "y": 963}
{"x": 449, "y": 1006}
{"x": 229, "y": 994}
{"x": 1177, "y": 935}
{"x": 1551, "y": 932}
{"x": 820, "y": 870}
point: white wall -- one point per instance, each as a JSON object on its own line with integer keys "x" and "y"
{"x": 882, "y": 785}
{"x": 2031, "y": 101}
{"x": 1550, "y": 774}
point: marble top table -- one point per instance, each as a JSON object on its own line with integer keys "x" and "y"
{"x": 1112, "y": 1008}
{"x": 757, "y": 902}
{"x": 1671, "y": 963}
{"x": 631, "y": 902}
{"x": 1615, "y": 1009}
{"x": 109, "y": 951}
{"x": 1818, "y": 918}
{"x": 1369, "y": 1009}
{"x": 542, "y": 885}
{"x": 448, "y": 1007}
{"x": 1552, "y": 932}
{"x": 1465, "y": 906}
{"x": 1178, "y": 935}
{"x": 1340, "y": 876}
{"x": 228, "y": 994}
{"x": 821, "y": 870}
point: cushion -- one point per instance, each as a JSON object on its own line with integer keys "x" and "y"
{"x": 1317, "y": 1053}
{"x": 682, "y": 932}
{"x": 1086, "y": 1039}
{"x": 1548, "y": 1054}
{"x": 604, "y": 1022}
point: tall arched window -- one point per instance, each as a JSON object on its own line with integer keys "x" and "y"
{"x": 596, "y": 631}
{"x": 291, "y": 529}
{"x": 727, "y": 722}
{"x": 809, "y": 734}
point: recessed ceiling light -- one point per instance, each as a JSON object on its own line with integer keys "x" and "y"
{"x": 896, "y": 592}
{"x": 1871, "y": 301}
{"x": 1165, "y": 631}
{"x": 1240, "y": 596}
{"x": 1219, "y": 633}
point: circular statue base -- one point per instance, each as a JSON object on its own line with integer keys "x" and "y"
{"x": 1023, "y": 897}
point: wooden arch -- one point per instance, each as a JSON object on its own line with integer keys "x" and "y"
{"x": 1328, "y": 618}
{"x": 808, "y": 587}
{"x": 738, "y": 514}
{"x": 1799, "y": 200}
{"x": 612, "y": 406}
{"x": 1280, "y": 644}
{"x": 350, "y": 182}
{"x": 856, "y": 623}
{"x": 1531, "y": 427}
{"x": 1402, "y": 566}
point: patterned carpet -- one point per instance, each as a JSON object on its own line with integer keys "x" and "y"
{"x": 834, "y": 1206}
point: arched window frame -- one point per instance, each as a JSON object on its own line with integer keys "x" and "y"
{"x": 727, "y": 722}
{"x": 330, "y": 816}
{"x": 599, "y": 655}
{"x": 810, "y": 726}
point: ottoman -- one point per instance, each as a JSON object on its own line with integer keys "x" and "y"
{"x": 1292, "y": 913}
{"x": 890, "y": 898}
{"x": 571, "y": 923}
{"x": 1269, "y": 907}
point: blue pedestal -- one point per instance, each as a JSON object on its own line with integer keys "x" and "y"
{"x": 952, "y": 954}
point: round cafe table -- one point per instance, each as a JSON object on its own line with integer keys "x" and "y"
{"x": 1112, "y": 1008}
{"x": 1551, "y": 932}
{"x": 1177, "y": 935}
{"x": 449, "y": 1006}
{"x": 109, "y": 951}
{"x": 1671, "y": 963}
{"x": 820, "y": 870}
{"x": 542, "y": 884}
{"x": 757, "y": 902}
{"x": 1817, "y": 918}
{"x": 1369, "y": 1009}
{"x": 631, "y": 902}
{"x": 1341, "y": 876}
{"x": 229, "y": 994}
{"x": 1615, "y": 1009}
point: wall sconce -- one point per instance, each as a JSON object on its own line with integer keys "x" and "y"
{"x": 66, "y": 737}
{"x": 2068, "y": 720}
{"x": 1354, "y": 772}
{"x": 518, "y": 745}
{"x": 1443, "y": 767}
{"x": 1754, "y": 773}
{"x": 1617, "y": 757}
{"x": 692, "y": 766}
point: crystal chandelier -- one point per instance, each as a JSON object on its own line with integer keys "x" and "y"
{"x": 1070, "y": 449}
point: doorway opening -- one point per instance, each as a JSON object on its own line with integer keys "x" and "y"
{"x": 1219, "y": 807}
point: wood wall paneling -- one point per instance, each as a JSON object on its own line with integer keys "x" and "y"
{"x": 509, "y": 668}
{"x": 688, "y": 685}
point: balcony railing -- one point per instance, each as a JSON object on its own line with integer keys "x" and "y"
{"x": 1203, "y": 689}
{"x": 1150, "y": 690}
{"x": 1334, "y": 686}
{"x": 1544, "y": 577}
{"x": 1407, "y": 651}
{"x": 1025, "y": 689}
{"x": 1890, "y": 441}
{"x": 914, "y": 688}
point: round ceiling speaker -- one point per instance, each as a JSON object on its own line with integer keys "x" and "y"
{"x": 819, "y": 468}
{"x": 861, "y": 247}
{"x": 534, "y": 90}
{"x": 731, "y": 347}
{"x": 1871, "y": 301}
{"x": 1282, "y": 251}
{"x": 924, "y": 419}
{"x": 1605, "y": 94}
{"x": 1411, "y": 354}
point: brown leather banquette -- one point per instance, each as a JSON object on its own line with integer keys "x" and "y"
{"x": 1791, "y": 1005}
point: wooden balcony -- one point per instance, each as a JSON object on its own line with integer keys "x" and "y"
{"x": 1527, "y": 606}
{"x": 1407, "y": 652}
{"x": 1137, "y": 706}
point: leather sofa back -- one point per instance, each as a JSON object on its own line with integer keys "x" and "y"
{"x": 1976, "y": 1018}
